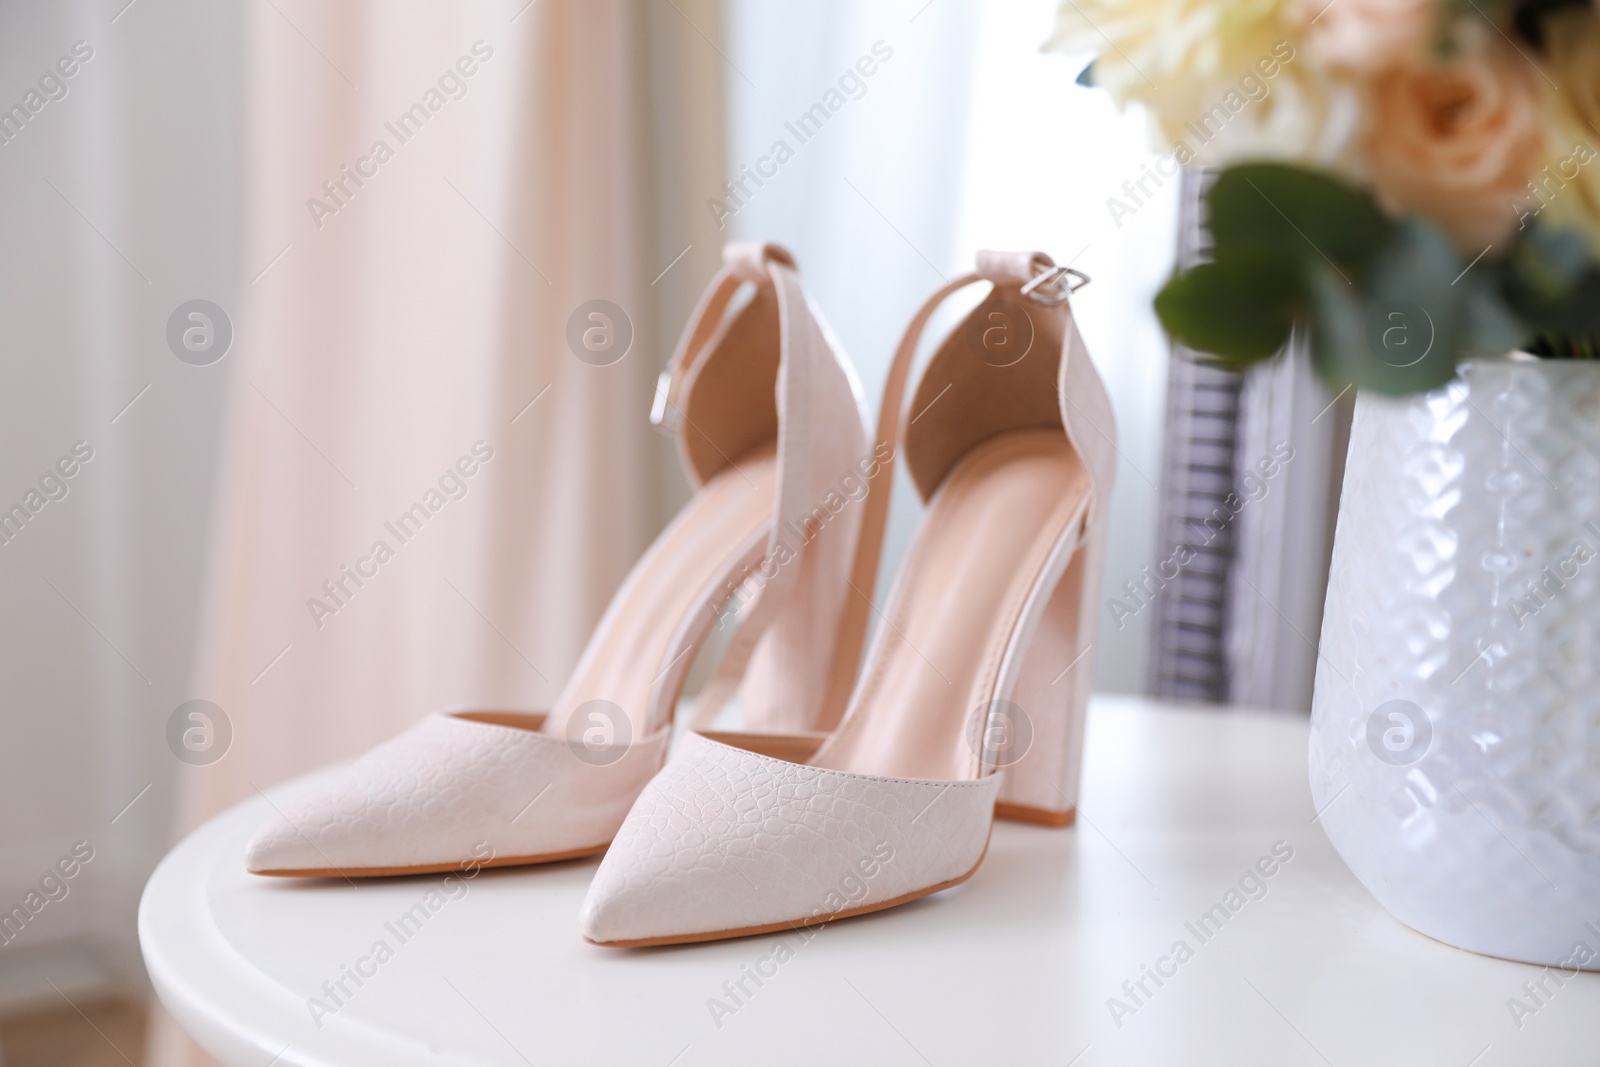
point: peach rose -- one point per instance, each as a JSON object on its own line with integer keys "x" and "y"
{"x": 1456, "y": 142}
{"x": 1364, "y": 35}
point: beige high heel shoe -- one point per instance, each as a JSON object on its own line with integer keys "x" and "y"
{"x": 770, "y": 428}
{"x": 973, "y": 697}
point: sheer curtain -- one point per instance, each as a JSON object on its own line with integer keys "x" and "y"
{"x": 429, "y": 496}
{"x": 120, "y": 202}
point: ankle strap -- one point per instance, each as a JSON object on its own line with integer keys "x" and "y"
{"x": 742, "y": 261}
{"x": 1037, "y": 275}
{"x": 772, "y": 268}
{"x": 817, "y": 437}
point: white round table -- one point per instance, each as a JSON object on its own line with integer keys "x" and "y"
{"x": 1050, "y": 954}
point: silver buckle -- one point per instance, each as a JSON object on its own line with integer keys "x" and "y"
{"x": 662, "y": 414}
{"x": 1051, "y": 276}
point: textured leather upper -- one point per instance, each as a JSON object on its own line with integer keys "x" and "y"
{"x": 726, "y": 839}
{"x": 441, "y": 791}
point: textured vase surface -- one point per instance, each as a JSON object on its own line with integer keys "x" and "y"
{"x": 1455, "y": 730}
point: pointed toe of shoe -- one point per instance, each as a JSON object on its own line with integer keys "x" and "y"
{"x": 725, "y": 842}
{"x": 650, "y": 896}
{"x": 277, "y": 849}
{"x": 604, "y": 919}
{"x": 344, "y": 827}
{"x": 450, "y": 793}
{"x": 659, "y": 879}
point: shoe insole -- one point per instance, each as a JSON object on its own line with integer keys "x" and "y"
{"x": 988, "y": 533}
{"x": 666, "y": 605}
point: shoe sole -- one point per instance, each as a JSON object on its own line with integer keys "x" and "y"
{"x": 794, "y": 924}
{"x": 432, "y": 868}
{"x": 1036, "y": 816}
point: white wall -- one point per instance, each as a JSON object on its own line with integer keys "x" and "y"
{"x": 117, "y": 203}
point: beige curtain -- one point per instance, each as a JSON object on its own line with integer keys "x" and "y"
{"x": 428, "y": 497}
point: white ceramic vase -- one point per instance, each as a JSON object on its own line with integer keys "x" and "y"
{"x": 1455, "y": 730}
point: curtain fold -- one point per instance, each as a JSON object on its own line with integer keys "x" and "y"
{"x": 428, "y": 496}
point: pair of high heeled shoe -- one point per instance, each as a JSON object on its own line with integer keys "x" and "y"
{"x": 843, "y": 794}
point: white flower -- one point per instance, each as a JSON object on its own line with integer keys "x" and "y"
{"x": 1566, "y": 190}
{"x": 1223, "y": 79}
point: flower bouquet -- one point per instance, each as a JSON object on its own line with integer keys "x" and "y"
{"x": 1411, "y": 182}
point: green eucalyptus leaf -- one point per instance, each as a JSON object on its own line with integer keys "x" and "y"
{"x": 1550, "y": 282}
{"x": 1546, "y": 263}
{"x": 1086, "y": 76}
{"x": 1575, "y": 314}
{"x": 1339, "y": 347}
{"x": 1416, "y": 317}
{"x": 1402, "y": 332}
{"x": 1491, "y": 328}
{"x": 1390, "y": 305}
{"x": 1300, "y": 212}
{"x": 1239, "y": 307}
